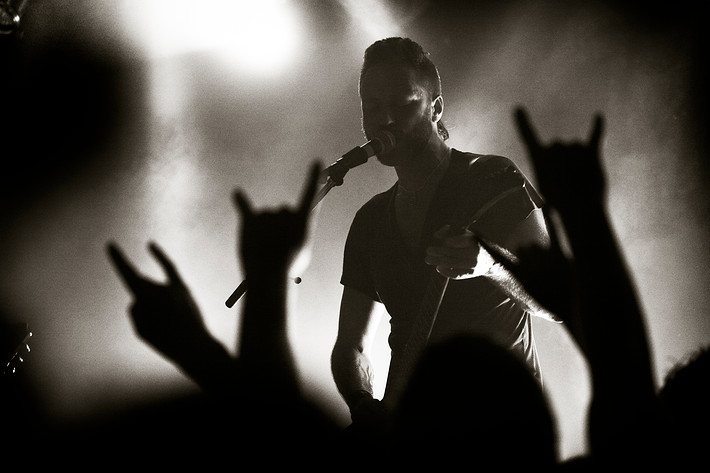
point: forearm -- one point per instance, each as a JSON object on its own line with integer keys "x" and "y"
{"x": 353, "y": 374}
{"x": 210, "y": 365}
{"x": 606, "y": 288}
{"x": 265, "y": 349}
{"x": 530, "y": 232}
{"x": 612, "y": 321}
{"x": 514, "y": 289}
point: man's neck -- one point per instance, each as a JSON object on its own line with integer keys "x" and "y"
{"x": 415, "y": 174}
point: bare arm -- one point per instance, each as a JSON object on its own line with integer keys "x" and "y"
{"x": 534, "y": 233}
{"x": 610, "y": 323}
{"x": 463, "y": 255}
{"x": 514, "y": 289}
{"x": 274, "y": 244}
{"x": 166, "y": 317}
{"x": 350, "y": 360}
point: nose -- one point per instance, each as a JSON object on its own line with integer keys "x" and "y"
{"x": 382, "y": 119}
{"x": 377, "y": 118}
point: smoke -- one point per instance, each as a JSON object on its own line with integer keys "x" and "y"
{"x": 192, "y": 130}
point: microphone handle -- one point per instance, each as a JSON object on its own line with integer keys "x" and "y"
{"x": 237, "y": 294}
{"x": 353, "y": 158}
{"x": 382, "y": 141}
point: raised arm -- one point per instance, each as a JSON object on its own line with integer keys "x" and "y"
{"x": 166, "y": 317}
{"x": 273, "y": 247}
{"x": 611, "y": 327}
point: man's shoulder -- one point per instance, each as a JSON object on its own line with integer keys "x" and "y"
{"x": 483, "y": 161}
{"x": 493, "y": 175}
{"x": 487, "y": 167}
{"x": 377, "y": 204}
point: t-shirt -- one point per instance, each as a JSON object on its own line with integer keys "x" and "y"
{"x": 486, "y": 193}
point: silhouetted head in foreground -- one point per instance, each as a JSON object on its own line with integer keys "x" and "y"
{"x": 470, "y": 400}
{"x": 684, "y": 402}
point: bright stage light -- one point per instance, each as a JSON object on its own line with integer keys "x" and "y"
{"x": 375, "y": 19}
{"x": 256, "y": 36}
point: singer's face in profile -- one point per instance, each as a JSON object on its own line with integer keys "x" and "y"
{"x": 392, "y": 98}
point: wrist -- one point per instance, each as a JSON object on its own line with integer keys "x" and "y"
{"x": 357, "y": 398}
{"x": 263, "y": 273}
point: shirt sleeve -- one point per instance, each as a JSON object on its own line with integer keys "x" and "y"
{"x": 513, "y": 201}
{"x": 356, "y": 264}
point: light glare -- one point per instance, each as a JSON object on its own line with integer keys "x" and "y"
{"x": 256, "y": 36}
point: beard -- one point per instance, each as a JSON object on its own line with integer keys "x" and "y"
{"x": 408, "y": 144}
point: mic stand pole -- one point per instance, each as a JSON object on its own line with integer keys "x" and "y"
{"x": 333, "y": 180}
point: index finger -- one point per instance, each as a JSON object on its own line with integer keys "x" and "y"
{"x": 310, "y": 190}
{"x": 597, "y": 129}
{"x": 242, "y": 203}
{"x": 165, "y": 262}
{"x": 526, "y": 131}
{"x": 129, "y": 275}
{"x": 442, "y": 232}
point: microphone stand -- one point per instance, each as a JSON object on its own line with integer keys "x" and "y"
{"x": 334, "y": 178}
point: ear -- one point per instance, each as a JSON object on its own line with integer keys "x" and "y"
{"x": 437, "y": 108}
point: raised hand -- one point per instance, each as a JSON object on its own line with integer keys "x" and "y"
{"x": 164, "y": 314}
{"x": 569, "y": 175}
{"x": 167, "y": 318}
{"x": 274, "y": 241}
{"x": 610, "y": 326}
{"x": 273, "y": 246}
{"x": 571, "y": 179}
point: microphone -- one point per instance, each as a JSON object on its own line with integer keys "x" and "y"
{"x": 382, "y": 142}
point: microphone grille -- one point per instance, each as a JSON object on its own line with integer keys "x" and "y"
{"x": 386, "y": 140}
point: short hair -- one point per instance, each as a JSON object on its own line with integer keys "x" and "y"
{"x": 405, "y": 51}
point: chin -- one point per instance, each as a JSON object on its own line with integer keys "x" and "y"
{"x": 388, "y": 159}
